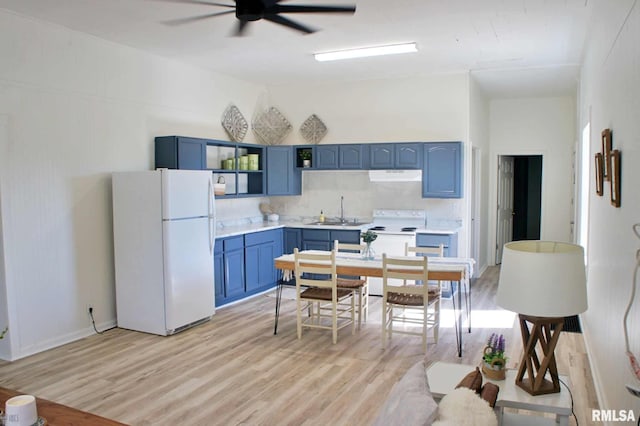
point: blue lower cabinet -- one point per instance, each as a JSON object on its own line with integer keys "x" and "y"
{"x": 450, "y": 249}
{"x": 322, "y": 239}
{"x": 292, "y": 239}
{"x": 260, "y": 250}
{"x": 243, "y": 264}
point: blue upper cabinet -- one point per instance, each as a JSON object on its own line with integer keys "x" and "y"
{"x": 442, "y": 170}
{"x": 400, "y": 156}
{"x": 381, "y": 156}
{"x": 351, "y": 156}
{"x": 283, "y": 178}
{"x": 177, "y": 152}
{"x": 326, "y": 157}
{"x": 408, "y": 156}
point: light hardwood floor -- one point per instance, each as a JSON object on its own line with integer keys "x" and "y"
{"x": 233, "y": 370}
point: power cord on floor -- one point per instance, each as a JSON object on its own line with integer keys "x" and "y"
{"x": 93, "y": 321}
{"x": 573, "y": 413}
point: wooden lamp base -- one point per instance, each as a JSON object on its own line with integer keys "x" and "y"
{"x": 546, "y": 331}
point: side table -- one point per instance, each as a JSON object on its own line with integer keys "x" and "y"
{"x": 443, "y": 378}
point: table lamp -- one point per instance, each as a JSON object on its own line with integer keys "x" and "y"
{"x": 543, "y": 282}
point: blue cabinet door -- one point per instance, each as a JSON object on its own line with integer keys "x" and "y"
{"x": 234, "y": 271}
{"x": 381, "y": 156}
{"x": 292, "y": 239}
{"x": 442, "y": 170}
{"x": 351, "y": 156}
{"x": 408, "y": 156}
{"x": 218, "y": 273}
{"x": 283, "y": 177}
{"x": 177, "y": 152}
{"x": 326, "y": 157}
{"x": 260, "y": 250}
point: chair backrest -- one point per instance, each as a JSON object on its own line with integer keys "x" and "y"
{"x": 397, "y": 269}
{"x": 316, "y": 269}
{"x": 425, "y": 251}
{"x": 346, "y": 247}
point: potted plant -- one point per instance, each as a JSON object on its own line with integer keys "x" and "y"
{"x": 305, "y": 155}
{"x": 493, "y": 359}
{"x": 367, "y": 238}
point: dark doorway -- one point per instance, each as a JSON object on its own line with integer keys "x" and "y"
{"x": 527, "y": 196}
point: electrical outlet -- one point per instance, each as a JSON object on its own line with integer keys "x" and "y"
{"x": 89, "y": 309}
{"x": 634, "y": 390}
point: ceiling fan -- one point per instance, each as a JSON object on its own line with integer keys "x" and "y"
{"x": 253, "y": 10}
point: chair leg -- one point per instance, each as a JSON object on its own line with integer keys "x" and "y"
{"x": 436, "y": 320}
{"x": 359, "y": 307}
{"x": 384, "y": 324}
{"x": 424, "y": 327}
{"x": 353, "y": 314}
{"x": 365, "y": 301}
{"x": 299, "y": 317}
{"x": 335, "y": 322}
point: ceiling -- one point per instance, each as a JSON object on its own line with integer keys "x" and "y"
{"x": 513, "y": 47}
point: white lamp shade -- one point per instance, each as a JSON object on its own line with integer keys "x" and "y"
{"x": 543, "y": 278}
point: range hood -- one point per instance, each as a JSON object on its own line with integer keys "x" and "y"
{"x": 395, "y": 175}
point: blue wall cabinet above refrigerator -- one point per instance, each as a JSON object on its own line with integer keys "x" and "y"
{"x": 177, "y": 152}
{"x": 283, "y": 177}
{"x": 442, "y": 170}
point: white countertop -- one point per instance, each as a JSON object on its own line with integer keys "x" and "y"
{"x": 229, "y": 231}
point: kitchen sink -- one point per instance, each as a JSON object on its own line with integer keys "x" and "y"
{"x": 338, "y": 223}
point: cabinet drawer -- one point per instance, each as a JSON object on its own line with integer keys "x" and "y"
{"x": 316, "y": 234}
{"x": 347, "y": 237}
{"x": 233, "y": 243}
{"x": 260, "y": 237}
{"x": 432, "y": 240}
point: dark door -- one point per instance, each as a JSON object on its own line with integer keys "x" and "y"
{"x": 527, "y": 197}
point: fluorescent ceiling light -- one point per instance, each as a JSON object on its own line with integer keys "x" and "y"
{"x": 391, "y": 49}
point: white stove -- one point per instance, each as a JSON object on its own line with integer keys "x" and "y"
{"x": 387, "y": 221}
{"x": 395, "y": 229}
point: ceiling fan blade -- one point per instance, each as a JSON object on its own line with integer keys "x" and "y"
{"x": 277, "y": 8}
{"x": 288, "y": 23}
{"x": 241, "y": 28}
{"x": 204, "y": 2}
{"x": 181, "y": 21}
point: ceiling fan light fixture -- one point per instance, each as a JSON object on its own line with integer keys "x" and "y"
{"x": 363, "y": 52}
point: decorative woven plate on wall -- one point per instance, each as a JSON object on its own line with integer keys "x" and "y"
{"x": 313, "y": 129}
{"x": 270, "y": 126}
{"x": 234, "y": 123}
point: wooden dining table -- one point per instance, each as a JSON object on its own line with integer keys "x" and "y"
{"x": 440, "y": 268}
{"x": 58, "y": 414}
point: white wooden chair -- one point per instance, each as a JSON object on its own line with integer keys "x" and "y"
{"x": 328, "y": 307}
{"x": 359, "y": 285}
{"x": 434, "y": 286}
{"x": 412, "y": 300}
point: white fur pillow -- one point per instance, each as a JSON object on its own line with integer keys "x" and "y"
{"x": 464, "y": 407}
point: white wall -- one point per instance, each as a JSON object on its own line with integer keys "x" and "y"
{"x": 610, "y": 86}
{"x": 536, "y": 126}
{"x": 428, "y": 108}
{"x": 479, "y": 184}
{"x": 77, "y": 109}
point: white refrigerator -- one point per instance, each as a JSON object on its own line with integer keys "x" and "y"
{"x": 164, "y": 234}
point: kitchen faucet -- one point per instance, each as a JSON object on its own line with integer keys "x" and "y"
{"x": 342, "y": 209}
